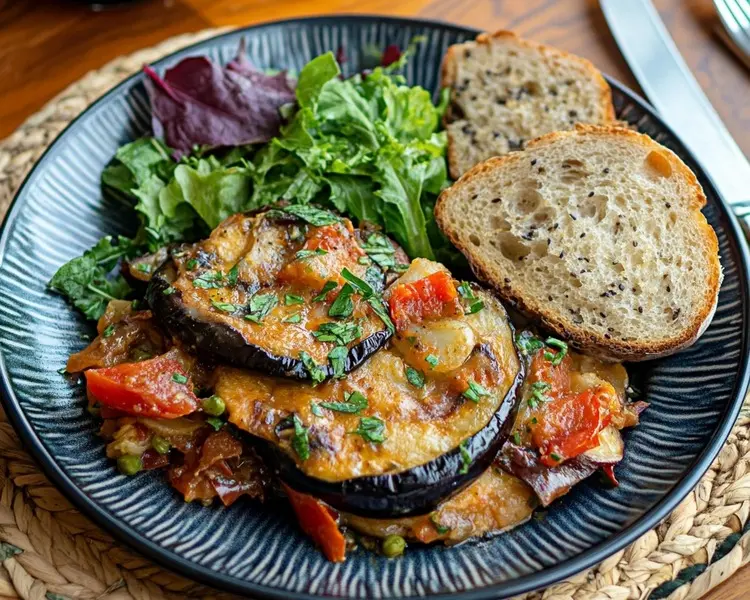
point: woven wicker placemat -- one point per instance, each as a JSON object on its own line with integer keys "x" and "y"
{"x": 50, "y": 550}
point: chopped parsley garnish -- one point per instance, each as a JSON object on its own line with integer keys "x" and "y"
{"x": 465, "y": 458}
{"x": 260, "y": 305}
{"x": 232, "y": 275}
{"x": 179, "y": 378}
{"x": 354, "y": 402}
{"x": 537, "y": 393}
{"x": 317, "y": 373}
{"x": 372, "y": 429}
{"x": 380, "y": 250}
{"x": 416, "y": 378}
{"x": 364, "y": 288}
{"x": 315, "y": 409}
{"x": 191, "y": 264}
{"x": 474, "y": 391}
{"x": 340, "y": 333}
{"x": 315, "y": 216}
{"x": 528, "y": 344}
{"x": 143, "y": 267}
{"x": 110, "y": 329}
{"x": 555, "y": 457}
{"x": 337, "y": 358}
{"x": 342, "y": 306}
{"x": 432, "y": 360}
{"x": 329, "y": 286}
{"x": 215, "y": 422}
{"x": 209, "y": 280}
{"x": 302, "y": 254}
{"x": 226, "y": 307}
{"x": 168, "y": 291}
{"x": 369, "y": 294}
{"x": 300, "y": 439}
{"x": 473, "y": 304}
{"x": 516, "y": 438}
{"x": 290, "y": 299}
{"x": 556, "y": 357}
{"x": 293, "y": 318}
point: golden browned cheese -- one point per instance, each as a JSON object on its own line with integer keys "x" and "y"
{"x": 420, "y": 422}
{"x": 495, "y": 502}
{"x": 263, "y": 253}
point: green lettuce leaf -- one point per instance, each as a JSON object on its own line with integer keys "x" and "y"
{"x": 87, "y": 281}
{"x": 368, "y": 146}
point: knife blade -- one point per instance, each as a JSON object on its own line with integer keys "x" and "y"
{"x": 670, "y": 86}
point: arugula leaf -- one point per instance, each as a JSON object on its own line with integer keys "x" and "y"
{"x": 86, "y": 281}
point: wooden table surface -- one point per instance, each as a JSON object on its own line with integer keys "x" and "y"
{"x": 47, "y": 44}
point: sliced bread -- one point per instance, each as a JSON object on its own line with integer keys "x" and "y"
{"x": 506, "y": 91}
{"x": 597, "y": 232}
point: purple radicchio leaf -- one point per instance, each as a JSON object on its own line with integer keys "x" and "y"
{"x": 200, "y": 103}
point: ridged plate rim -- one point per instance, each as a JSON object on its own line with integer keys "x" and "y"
{"x": 524, "y": 584}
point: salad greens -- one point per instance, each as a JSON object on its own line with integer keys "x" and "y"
{"x": 368, "y": 146}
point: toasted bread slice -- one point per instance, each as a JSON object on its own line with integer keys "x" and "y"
{"x": 598, "y": 233}
{"x": 505, "y": 91}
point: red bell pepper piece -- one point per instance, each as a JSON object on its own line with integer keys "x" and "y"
{"x": 157, "y": 388}
{"x": 319, "y": 522}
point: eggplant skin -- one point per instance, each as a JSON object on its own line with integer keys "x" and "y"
{"x": 416, "y": 491}
{"x": 223, "y": 343}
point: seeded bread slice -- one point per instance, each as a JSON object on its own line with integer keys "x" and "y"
{"x": 598, "y": 233}
{"x": 505, "y": 91}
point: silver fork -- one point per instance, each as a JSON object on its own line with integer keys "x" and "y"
{"x": 735, "y": 17}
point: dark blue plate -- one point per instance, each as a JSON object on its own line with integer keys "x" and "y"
{"x": 258, "y": 550}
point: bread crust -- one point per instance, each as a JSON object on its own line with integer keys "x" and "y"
{"x": 581, "y": 337}
{"x": 449, "y": 70}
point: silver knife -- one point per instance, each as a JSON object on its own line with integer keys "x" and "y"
{"x": 671, "y": 88}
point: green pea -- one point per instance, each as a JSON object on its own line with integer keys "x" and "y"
{"x": 129, "y": 464}
{"x": 159, "y": 444}
{"x": 393, "y": 546}
{"x": 213, "y": 406}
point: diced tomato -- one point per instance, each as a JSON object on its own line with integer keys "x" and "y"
{"x": 158, "y": 387}
{"x": 430, "y": 297}
{"x": 319, "y": 522}
{"x": 567, "y": 423}
{"x": 331, "y": 238}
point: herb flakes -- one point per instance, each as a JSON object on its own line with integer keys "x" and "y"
{"x": 371, "y": 429}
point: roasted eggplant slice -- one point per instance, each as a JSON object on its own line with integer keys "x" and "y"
{"x": 495, "y": 502}
{"x": 268, "y": 291}
{"x": 418, "y": 421}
